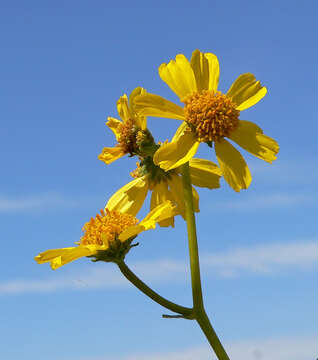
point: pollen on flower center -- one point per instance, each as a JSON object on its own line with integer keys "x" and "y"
{"x": 127, "y": 137}
{"x": 212, "y": 115}
{"x": 104, "y": 228}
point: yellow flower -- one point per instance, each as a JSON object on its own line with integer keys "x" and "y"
{"x": 108, "y": 236}
{"x": 127, "y": 131}
{"x": 209, "y": 116}
{"x": 164, "y": 186}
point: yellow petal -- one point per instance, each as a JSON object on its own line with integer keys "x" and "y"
{"x": 195, "y": 197}
{"x": 141, "y": 121}
{"x": 246, "y": 91}
{"x": 176, "y": 186}
{"x": 251, "y": 138}
{"x": 60, "y": 257}
{"x": 160, "y": 194}
{"x": 205, "y": 173}
{"x": 170, "y": 156}
{"x": 179, "y": 76}
{"x": 155, "y": 105}
{"x": 206, "y": 70}
{"x": 181, "y": 129}
{"x": 131, "y": 232}
{"x": 162, "y": 212}
{"x": 123, "y": 108}
{"x": 113, "y": 124}
{"x": 233, "y": 166}
{"x": 110, "y": 154}
{"x": 129, "y": 198}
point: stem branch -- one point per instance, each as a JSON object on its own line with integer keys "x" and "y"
{"x": 185, "y": 311}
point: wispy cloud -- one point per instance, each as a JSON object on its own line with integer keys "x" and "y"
{"x": 296, "y": 348}
{"x": 258, "y": 202}
{"x": 44, "y": 201}
{"x": 266, "y": 258}
{"x": 302, "y": 170}
{"x": 98, "y": 276}
{"x": 262, "y": 259}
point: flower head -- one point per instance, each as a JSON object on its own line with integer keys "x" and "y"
{"x": 209, "y": 117}
{"x": 164, "y": 185}
{"x": 108, "y": 236}
{"x": 131, "y": 132}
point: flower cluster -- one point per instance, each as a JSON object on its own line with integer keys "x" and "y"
{"x": 208, "y": 116}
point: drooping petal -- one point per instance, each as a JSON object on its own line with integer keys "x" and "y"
{"x": 195, "y": 197}
{"x": 113, "y": 124}
{"x": 155, "y": 105}
{"x": 181, "y": 129}
{"x": 246, "y": 91}
{"x": 162, "y": 212}
{"x": 233, "y": 166}
{"x": 206, "y": 70}
{"x": 160, "y": 194}
{"x": 251, "y": 138}
{"x": 110, "y": 154}
{"x": 205, "y": 173}
{"x": 60, "y": 257}
{"x": 179, "y": 76}
{"x": 170, "y": 156}
{"x": 176, "y": 186}
{"x": 129, "y": 198}
{"x": 123, "y": 108}
{"x": 141, "y": 121}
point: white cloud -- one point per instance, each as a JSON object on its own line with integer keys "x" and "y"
{"x": 34, "y": 202}
{"x": 266, "y": 258}
{"x": 98, "y": 276}
{"x": 296, "y": 348}
{"x": 262, "y": 259}
{"x": 302, "y": 170}
{"x": 268, "y": 201}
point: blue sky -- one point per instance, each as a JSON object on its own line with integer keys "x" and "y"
{"x": 64, "y": 64}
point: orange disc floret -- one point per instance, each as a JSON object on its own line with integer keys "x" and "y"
{"x": 127, "y": 137}
{"x": 212, "y": 115}
{"x": 104, "y": 228}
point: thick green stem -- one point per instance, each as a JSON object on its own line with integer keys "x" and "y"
{"x": 184, "y": 311}
{"x": 198, "y": 307}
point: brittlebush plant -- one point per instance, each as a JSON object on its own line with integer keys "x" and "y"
{"x": 168, "y": 170}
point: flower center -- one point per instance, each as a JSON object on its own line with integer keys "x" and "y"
{"x": 104, "y": 228}
{"x": 127, "y": 137}
{"x": 211, "y": 115}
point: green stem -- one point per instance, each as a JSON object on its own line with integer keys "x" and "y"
{"x": 184, "y": 311}
{"x": 198, "y": 307}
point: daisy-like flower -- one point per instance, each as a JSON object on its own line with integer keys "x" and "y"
{"x": 108, "y": 236}
{"x": 209, "y": 117}
{"x": 131, "y": 131}
{"x": 164, "y": 185}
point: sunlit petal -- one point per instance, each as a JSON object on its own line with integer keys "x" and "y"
{"x": 233, "y": 166}
{"x": 246, "y": 91}
{"x": 155, "y": 105}
{"x": 205, "y": 173}
{"x": 251, "y": 138}
{"x": 179, "y": 76}
{"x": 206, "y": 70}
{"x": 114, "y": 125}
{"x": 129, "y": 198}
{"x": 110, "y": 154}
{"x": 170, "y": 156}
